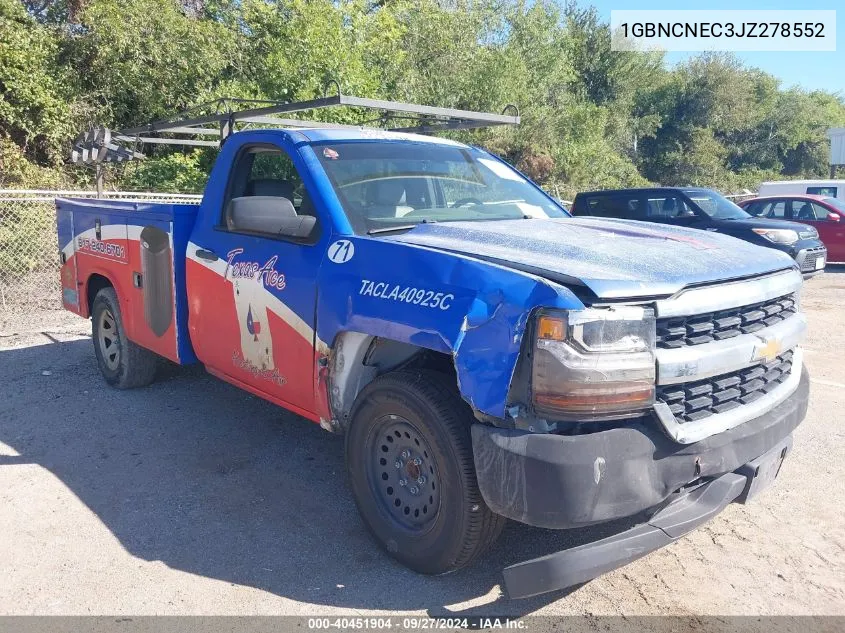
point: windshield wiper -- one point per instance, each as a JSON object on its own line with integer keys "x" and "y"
{"x": 404, "y": 227}
{"x": 390, "y": 229}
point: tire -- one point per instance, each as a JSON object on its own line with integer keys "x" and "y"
{"x": 123, "y": 364}
{"x": 408, "y": 423}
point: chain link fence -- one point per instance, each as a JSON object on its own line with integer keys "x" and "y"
{"x": 30, "y": 291}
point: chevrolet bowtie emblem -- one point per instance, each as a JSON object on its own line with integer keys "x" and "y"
{"x": 769, "y": 351}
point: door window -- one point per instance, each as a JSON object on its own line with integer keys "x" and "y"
{"x": 616, "y": 206}
{"x": 267, "y": 172}
{"x": 837, "y": 204}
{"x": 806, "y": 210}
{"x": 775, "y": 209}
{"x": 667, "y": 208}
{"x": 755, "y": 208}
{"x": 634, "y": 210}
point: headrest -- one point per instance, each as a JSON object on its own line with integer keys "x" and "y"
{"x": 270, "y": 187}
{"x": 416, "y": 192}
{"x": 385, "y": 192}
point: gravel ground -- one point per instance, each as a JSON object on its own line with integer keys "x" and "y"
{"x": 192, "y": 497}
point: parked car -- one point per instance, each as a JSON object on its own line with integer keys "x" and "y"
{"x": 708, "y": 210}
{"x": 829, "y": 188}
{"x": 825, "y": 213}
{"x": 486, "y": 355}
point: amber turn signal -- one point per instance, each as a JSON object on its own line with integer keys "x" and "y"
{"x": 551, "y": 328}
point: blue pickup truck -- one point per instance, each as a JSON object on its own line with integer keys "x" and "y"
{"x": 487, "y": 356}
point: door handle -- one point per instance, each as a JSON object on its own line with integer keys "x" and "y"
{"x": 209, "y": 256}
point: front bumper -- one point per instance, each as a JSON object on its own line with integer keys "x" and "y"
{"x": 809, "y": 259}
{"x": 682, "y": 515}
{"x": 558, "y": 481}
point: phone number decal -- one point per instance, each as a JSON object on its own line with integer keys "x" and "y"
{"x": 99, "y": 247}
{"x": 406, "y": 294}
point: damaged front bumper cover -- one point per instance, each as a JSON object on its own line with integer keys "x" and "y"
{"x": 557, "y": 481}
{"x": 580, "y": 564}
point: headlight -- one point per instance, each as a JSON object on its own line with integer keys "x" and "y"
{"x": 778, "y": 236}
{"x": 808, "y": 233}
{"x": 594, "y": 363}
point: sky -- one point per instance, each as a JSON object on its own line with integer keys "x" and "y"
{"x": 808, "y": 70}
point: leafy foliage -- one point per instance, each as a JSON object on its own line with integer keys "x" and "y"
{"x": 173, "y": 172}
{"x": 35, "y": 108}
{"x": 592, "y": 117}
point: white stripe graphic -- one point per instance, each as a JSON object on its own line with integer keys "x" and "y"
{"x": 272, "y": 302}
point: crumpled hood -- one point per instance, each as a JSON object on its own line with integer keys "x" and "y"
{"x": 613, "y": 258}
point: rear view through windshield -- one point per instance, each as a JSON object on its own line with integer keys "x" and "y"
{"x": 384, "y": 185}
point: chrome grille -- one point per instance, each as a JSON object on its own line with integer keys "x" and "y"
{"x": 716, "y": 326}
{"x": 699, "y": 399}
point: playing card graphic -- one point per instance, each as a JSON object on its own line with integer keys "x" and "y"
{"x": 256, "y": 342}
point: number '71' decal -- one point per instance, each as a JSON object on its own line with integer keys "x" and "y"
{"x": 341, "y": 251}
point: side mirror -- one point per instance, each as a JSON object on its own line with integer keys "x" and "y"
{"x": 833, "y": 217}
{"x": 686, "y": 213}
{"x": 269, "y": 215}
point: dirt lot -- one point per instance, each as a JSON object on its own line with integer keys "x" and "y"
{"x": 191, "y": 497}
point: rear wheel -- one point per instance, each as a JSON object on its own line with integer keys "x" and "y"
{"x": 409, "y": 461}
{"x": 123, "y": 363}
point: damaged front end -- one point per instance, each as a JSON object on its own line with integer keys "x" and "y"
{"x": 661, "y": 414}
{"x": 582, "y": 366}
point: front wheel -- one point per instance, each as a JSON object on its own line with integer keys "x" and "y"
{"x": 122, "y": 363}
{"x": 409, "y": 461}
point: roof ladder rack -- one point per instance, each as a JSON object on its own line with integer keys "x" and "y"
{"x": 101, "y": 145}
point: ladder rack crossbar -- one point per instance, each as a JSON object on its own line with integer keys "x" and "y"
{"x": 417, "y": 118}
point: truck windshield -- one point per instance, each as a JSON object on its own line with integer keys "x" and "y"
{"x": 715, "y": 205}
{"x": 386, "y": 185}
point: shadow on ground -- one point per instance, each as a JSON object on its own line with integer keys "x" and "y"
{"x": 215, "y": 482}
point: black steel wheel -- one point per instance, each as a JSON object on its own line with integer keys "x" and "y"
{"x": 402, "y": 473}
{"x": 410, "y": 466}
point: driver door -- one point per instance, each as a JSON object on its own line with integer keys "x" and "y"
{"x": 252, "y": 296}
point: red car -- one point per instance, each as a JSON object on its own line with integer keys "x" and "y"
{"x": 825, "y": 213}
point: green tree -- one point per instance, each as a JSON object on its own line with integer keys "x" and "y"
{"x": 138, "y": 60}
{"x": 591, "y": 117}
{"x": 36, "y": 108}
